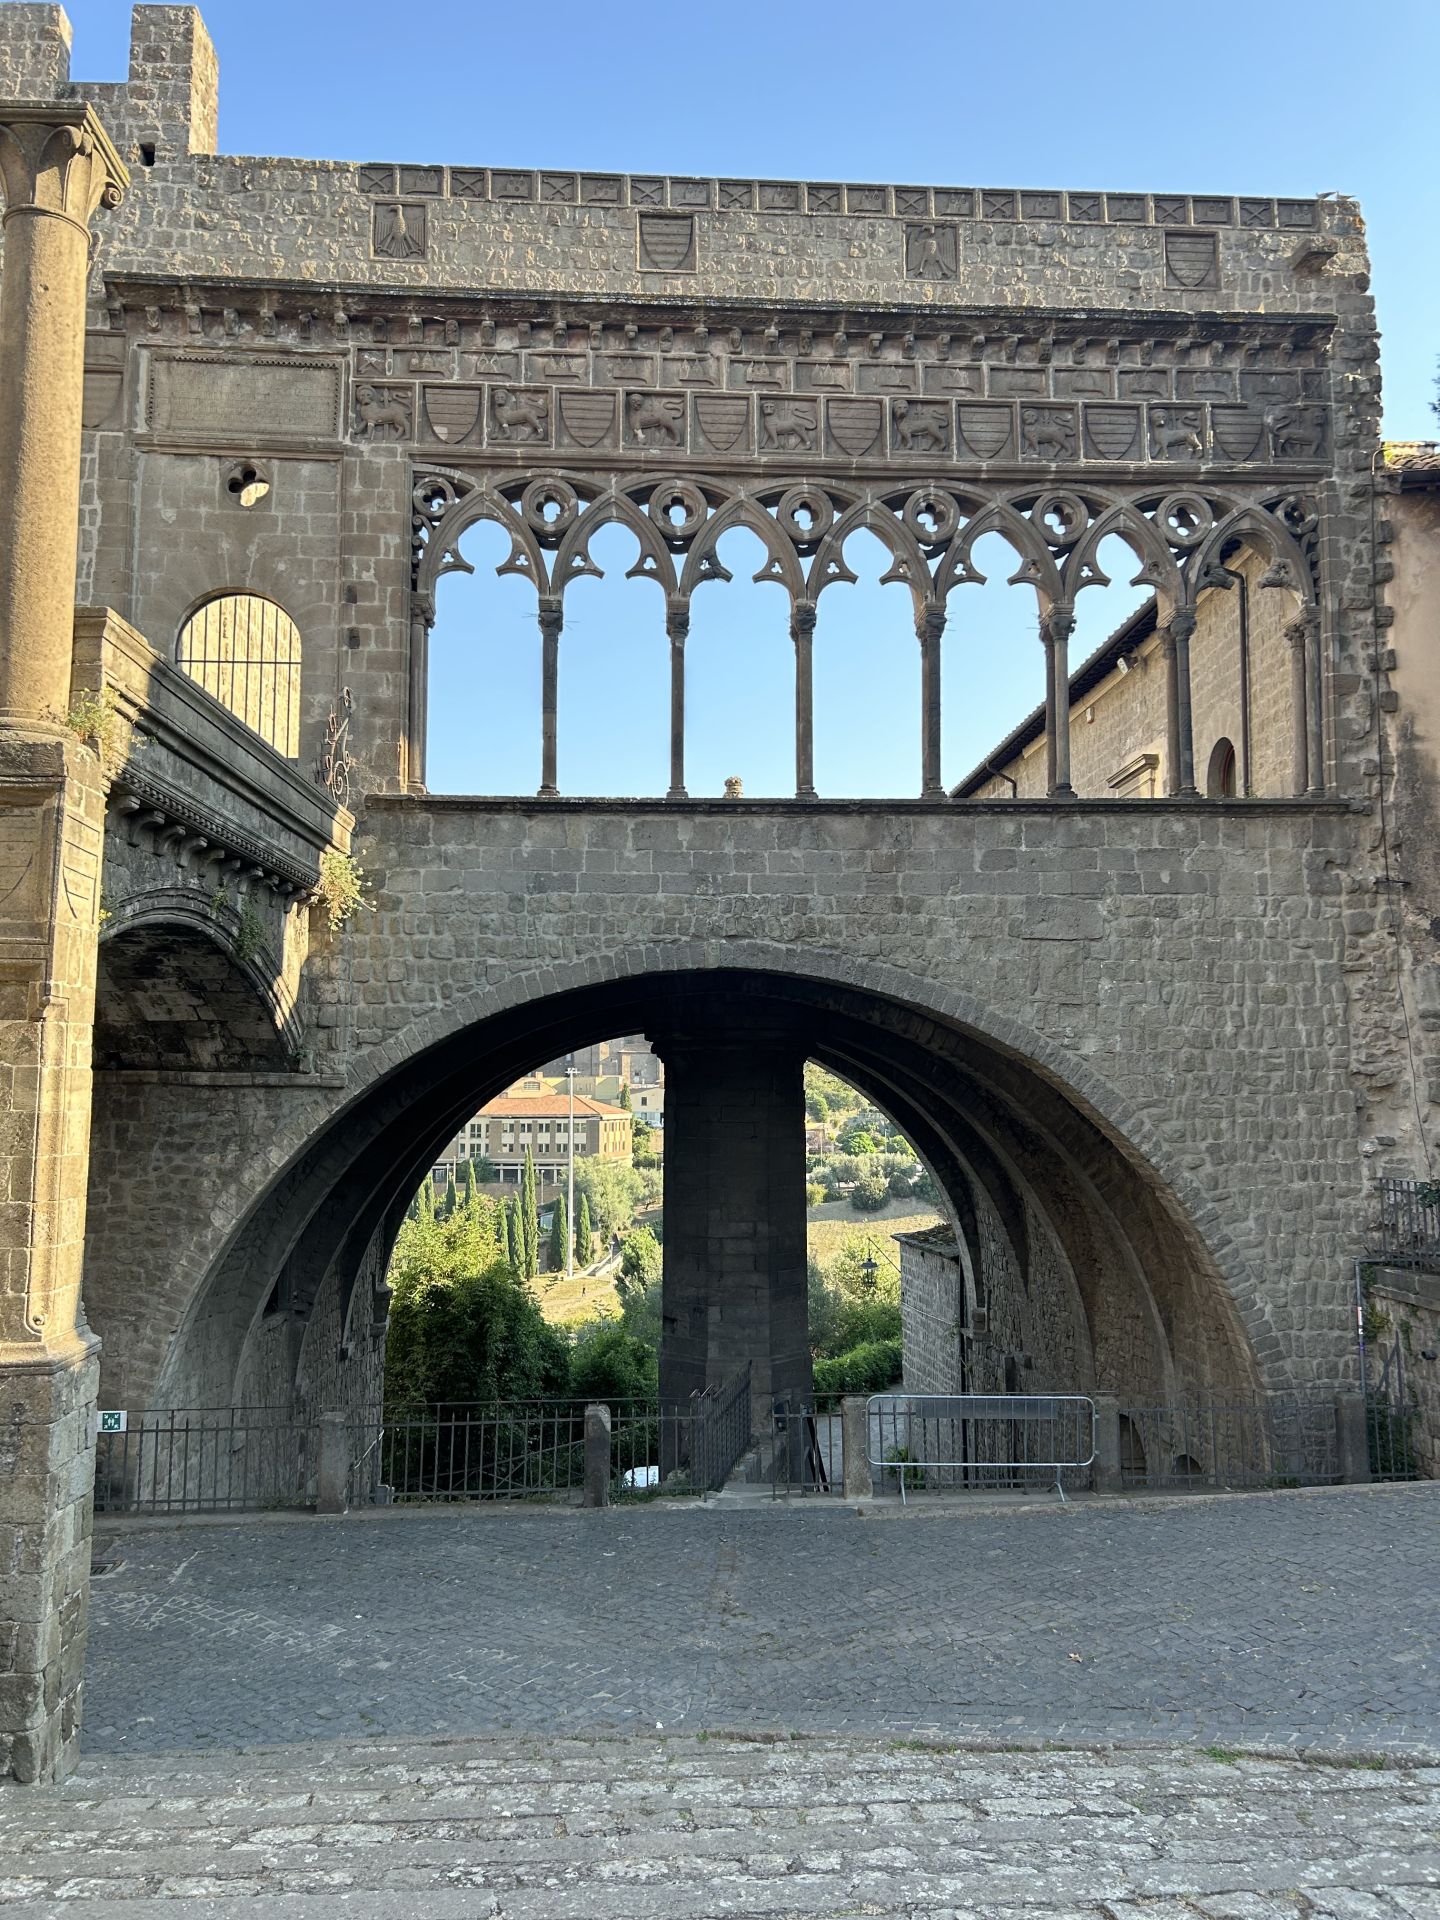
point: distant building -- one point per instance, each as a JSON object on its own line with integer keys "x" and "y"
{"x": 505, "y": 1127}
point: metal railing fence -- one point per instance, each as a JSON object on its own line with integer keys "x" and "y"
{"x": 1243, "y": 1441}
{"x": 979, "y": 1442}
{"x": 721, "y": 1431}
{"x": 1409, "y": 1223}
{"x": 206, "y": 1460}
{"x": 512, "y": 1450}
{"x": 803, "y": 1446}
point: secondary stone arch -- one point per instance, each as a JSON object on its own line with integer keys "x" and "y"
{"x": 343, "y": 1181}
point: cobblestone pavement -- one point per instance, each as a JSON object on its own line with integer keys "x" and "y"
{"x": 515, "y": 1828}
{"x": 1303, "y": 1620}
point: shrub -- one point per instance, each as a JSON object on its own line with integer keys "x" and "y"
{"x": 815, "y": 1191}
{"x": 901, "y": 1185}
{"x": 868, "y": 1369}
{"x": 870, "y": 1194}
{"x": 610, "y": 1364}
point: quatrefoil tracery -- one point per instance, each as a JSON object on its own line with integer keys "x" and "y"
{"x": 1179, "y": 538}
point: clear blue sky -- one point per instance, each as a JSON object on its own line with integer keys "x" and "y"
{"x": 1261, "y": 99}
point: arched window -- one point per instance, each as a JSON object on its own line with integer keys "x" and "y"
{"x": 1220, "y": 775}
{"x": 245, "y": 651}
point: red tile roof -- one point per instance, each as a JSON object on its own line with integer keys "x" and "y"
{"x": 549, "y": 1106}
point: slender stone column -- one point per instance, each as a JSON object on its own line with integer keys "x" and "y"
{"x": 1179, "y": 726}
{"x": 802, "y": 632}
{"x": 57, "y": 167}
{"x": 929, "y": 630}
{"x": 552, "y": 617}
{"x": 418, "y": 695}
{"x": 735, "y": 1266}
{"x": 1314, "y": 703}
{"x": 1298, "y": 636}
{"x": 1056, "y": 626}
{"x": 677, "y": 628}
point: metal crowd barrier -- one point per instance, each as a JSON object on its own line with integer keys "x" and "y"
{"x": 980, "y": 1439}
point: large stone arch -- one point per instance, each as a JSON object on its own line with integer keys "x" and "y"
{"x": 333, "y": 1182}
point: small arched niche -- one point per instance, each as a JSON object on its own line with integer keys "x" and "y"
{"x": 1220, "y": 774}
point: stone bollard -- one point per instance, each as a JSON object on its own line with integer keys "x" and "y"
{"x": 1352, "y": 1436}
{"x": 855, "y": 1430}
{"x": 1107, "y": 1443}
{"x": 597, "y": 1456}
{"x": 332, "y": 1476}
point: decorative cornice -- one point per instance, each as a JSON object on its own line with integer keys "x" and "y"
{"x": 178, "y": 823}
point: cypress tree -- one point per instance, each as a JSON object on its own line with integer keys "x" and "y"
{"x": 559, "y": 1235}
{"x": 426, "y": 1200}
{"x": 530, "y": 1217}
{"x": 516, "y": 1237}
{"x": 502, "y": 1228}
{"x": 583, "y": 1234}
{"x": 470, "y": 1186}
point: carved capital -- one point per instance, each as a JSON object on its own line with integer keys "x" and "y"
{"x": 929, "y": 624}
{"x": 552, "y": 616}
{"x": 1057, "y": 623}
{"x": 56, "y": 158}
{"x": 1181, "y": 624}
{"x": 1301, "y": 630}
{"x": 677, "y": 619}
{"x": 802, "y": 620}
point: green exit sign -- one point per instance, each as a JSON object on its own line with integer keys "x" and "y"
{"x": 111, "y": 1422}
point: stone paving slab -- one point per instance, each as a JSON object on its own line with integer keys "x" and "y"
{"x": 688, "y": 1828}
{"x": 1292, "y": 1620}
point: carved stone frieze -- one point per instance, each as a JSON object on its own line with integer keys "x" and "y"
{"x": 697, "y": 392}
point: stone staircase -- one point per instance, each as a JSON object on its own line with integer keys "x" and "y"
{"x": 688, "y": 1828}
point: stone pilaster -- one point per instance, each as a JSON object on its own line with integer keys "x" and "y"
{"x": 56, "y": 168}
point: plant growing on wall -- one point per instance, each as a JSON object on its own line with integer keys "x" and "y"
{"x": 94, "y": 719}
{"x": 341, "y": 887}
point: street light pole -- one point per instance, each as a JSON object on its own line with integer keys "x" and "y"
{"x": 570, "y": 1203}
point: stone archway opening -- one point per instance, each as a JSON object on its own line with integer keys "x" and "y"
{"x": 171, "y": 998}
{"x": 1080, "y": 1254}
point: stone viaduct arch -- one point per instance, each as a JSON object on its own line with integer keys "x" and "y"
{"x": 981, "y": 1097}
{"x": 1147, "y": 1040}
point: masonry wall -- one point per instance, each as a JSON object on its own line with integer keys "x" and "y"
{"x": 932, "y": 1315}
{"x": 1121, "y": 721}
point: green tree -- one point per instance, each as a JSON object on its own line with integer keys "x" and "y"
{"x": 425, "y": 1199}
{"x": 612, "y": 1188}
{"x": 584, "y": 1234}
{"x": 856, "y": 1138}
{"x": 514, "y": 1237}
{"x": 470, "y": 1187}
{"x": 462, "y": 1331}
{"x": 559, "y": 1236}
{"x": 640, "y": 1258}
{"x": 642, "y": 1144}
{"x": 622, "y": 1099}
{"x": 870, "y": 1193}
{"x": 817, "y": 1107}
{"x": 486, "y": 1171}
{"x": 529, "y": 1218}
{"x": 609, "y": 1363}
